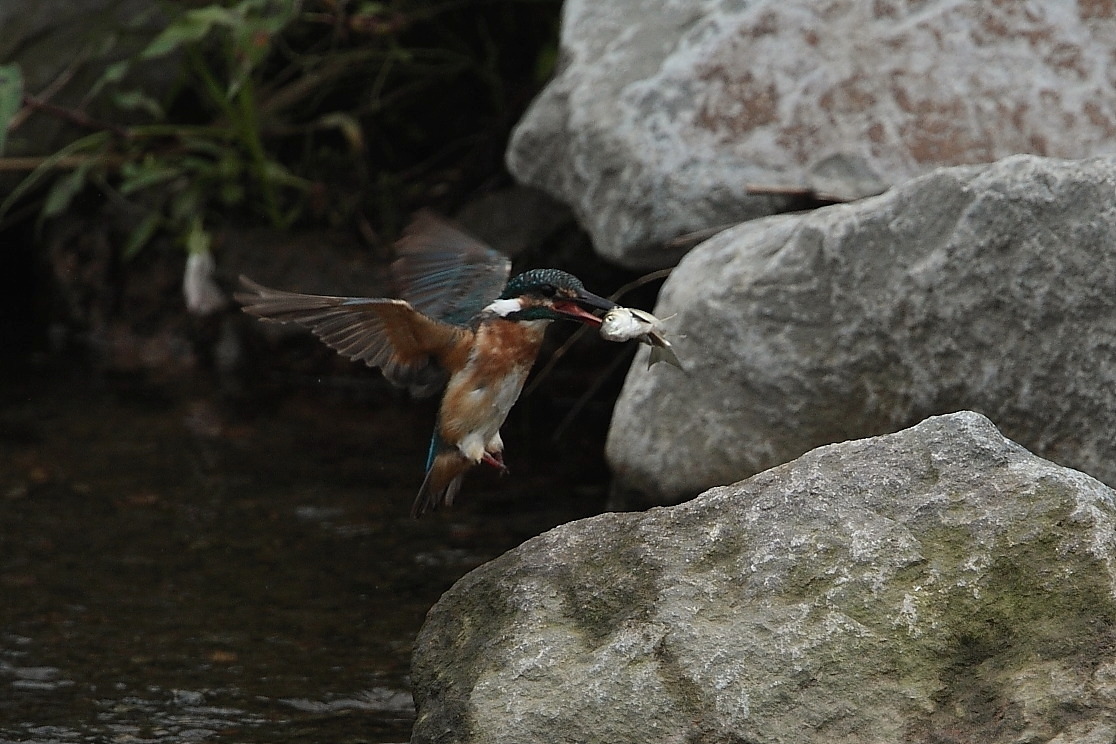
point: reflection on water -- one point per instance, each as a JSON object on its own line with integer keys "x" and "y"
{"x": 175, "y": 568}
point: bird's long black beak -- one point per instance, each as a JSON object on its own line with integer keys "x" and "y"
{"x": 581, "y": 308}
{"x": 591, "y": 302}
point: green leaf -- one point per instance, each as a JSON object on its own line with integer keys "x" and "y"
{"x": 11, "y": 98}
{"x": 187, "y": 204}
{"x": 198, "y": 238}
{"x": 251, "y": 40}
{"x": 135, "y": 100}
{"x": 113, "y": 74}
{"x": 238, "y": 80}
{"x": 214, "y": 15}
{"x": 231, "y": 194}
{"x": 142, "y": 235}
{"x": 64, "y": 190}
{"x": 197, "y": 167}
{"x": 144, "y": 174}
{"x": 88, "y": 143}
{"x": 205, "y": 146}
{"x": 348, "y": 126}
{"x": 546, "y": 62}
{"x": 230, "y": 166}
{"x": 269, "y": 16}
{"x": 278, "y": 174}
{"x": 188, "y": 29}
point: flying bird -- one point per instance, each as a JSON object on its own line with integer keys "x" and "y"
{"x": 461, "y": 327}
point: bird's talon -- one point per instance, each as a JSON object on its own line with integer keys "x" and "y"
{"x": 495, "y": 460}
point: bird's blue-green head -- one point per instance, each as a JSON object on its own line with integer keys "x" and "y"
{"x": 549, "y": 294}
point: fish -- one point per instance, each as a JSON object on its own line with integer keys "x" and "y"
{"x": 626, "y": 323}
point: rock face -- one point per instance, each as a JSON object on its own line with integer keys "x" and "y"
{"x": 987, "y": 288}
{"x": 941, "y": 584}
{"x": 663, "y": 112}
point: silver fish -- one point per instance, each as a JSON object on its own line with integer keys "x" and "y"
{"x": 626, "y": 323}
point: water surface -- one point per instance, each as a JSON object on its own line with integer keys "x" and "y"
{"x": 180, "y": 565}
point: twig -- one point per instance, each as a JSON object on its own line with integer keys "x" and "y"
{"x": 800, "y": 191}
{"x": 698, "y": 236}
{"x": 576, "y": 336}
{"x": 64, "y": 163}
{"x": 46, "y": 94}
{"x": 637, "y": 283}
{"x": 79, "y": 118}
{"x": 310, "y": 83}
{"x": 588, "y": 395}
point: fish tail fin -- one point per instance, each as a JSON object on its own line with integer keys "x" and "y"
{"x": 663, "y": 352}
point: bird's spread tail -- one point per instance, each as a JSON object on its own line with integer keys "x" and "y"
{"x": 443, "y": 481}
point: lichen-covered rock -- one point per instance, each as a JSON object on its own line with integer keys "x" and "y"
{"x": 988, "y": 288}
{"x": 663, "y": 113}
{"x": 941, "y": 584}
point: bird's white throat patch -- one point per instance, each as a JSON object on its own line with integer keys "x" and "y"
{"x": 504, "y": 308}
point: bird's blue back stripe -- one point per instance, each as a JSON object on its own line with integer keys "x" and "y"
{"x": 433, "y": 449}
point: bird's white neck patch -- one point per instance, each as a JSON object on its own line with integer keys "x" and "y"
{"x": 504, "y": 308}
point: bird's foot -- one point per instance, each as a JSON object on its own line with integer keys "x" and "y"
{"x": 495, "y": 460}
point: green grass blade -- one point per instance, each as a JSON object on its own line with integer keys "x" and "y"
{"x": 89, "y": 142}
{"x": 11, "y": 98}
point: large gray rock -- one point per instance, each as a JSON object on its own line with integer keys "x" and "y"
{"x": 941, "y": 584}
{"x": 990, "y": 288}
{"x": 663, "y": 112}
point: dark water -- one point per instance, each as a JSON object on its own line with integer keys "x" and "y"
{"x": 178, "y": 566}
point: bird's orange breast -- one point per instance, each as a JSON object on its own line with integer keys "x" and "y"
{"x": 503, "y": 346}
{"x": 481, "y": 393}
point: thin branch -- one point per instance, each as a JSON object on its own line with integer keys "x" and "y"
{"x": 580, "y": 332}
{"x": 691, "y": 239}
{"x": 310, "y": 83}
{"x": 80, "y": 118}
{"x": 801, "y": 191}
{"x": 588, "y": 395}
{"x": 45, "y": 94}
{"x": 637, "y": 283}
{"x": 68, "y": 162}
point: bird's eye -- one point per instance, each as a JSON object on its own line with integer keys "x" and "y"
{"x": 548, "y": 290}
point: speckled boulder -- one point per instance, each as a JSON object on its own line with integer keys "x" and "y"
{"x": 988, "y": 288}
{"x": 940, "y": 584}
{"x": 663, "y": 113}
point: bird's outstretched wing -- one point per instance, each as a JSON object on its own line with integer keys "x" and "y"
{"x": 412, "y": 349}
{"x": 446, "y": 273}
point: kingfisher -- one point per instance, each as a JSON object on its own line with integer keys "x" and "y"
{"x": 460, "y": 327}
